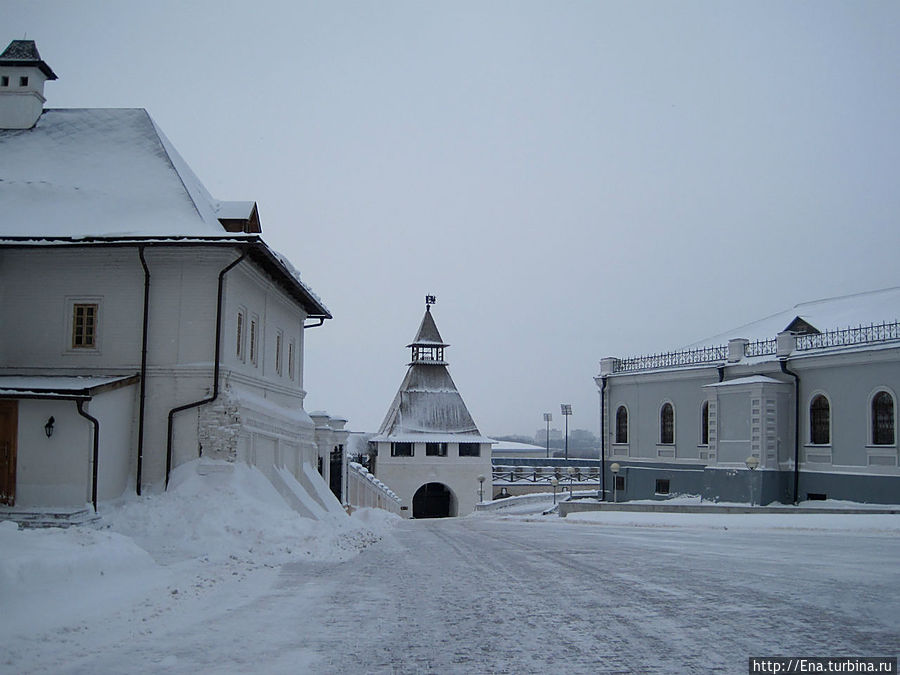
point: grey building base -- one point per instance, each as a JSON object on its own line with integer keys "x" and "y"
{"x": 745, "y": 486}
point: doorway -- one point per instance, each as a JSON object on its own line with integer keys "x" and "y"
{"x": 434, "y": 500}
{"x": 9, "y": 417}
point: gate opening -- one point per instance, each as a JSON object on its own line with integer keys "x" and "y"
{"x": 434, "y": 500}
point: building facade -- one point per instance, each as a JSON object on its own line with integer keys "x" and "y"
{"x": 145, "y": 322}
{"x": 429, "y": 450}
{"x": 794, "y": 407}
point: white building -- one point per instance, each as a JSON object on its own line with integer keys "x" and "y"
{"x": 145, "y": 322}
{"x": 428, "y": 449}
{"x": 807, "y": 397}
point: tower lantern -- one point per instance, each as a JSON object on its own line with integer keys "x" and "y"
{"x": 428, "y": 346}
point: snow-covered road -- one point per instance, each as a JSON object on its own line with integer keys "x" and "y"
{"x": 488, "y": 594}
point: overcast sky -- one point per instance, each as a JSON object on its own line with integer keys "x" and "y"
{"x": 572, "y": 180}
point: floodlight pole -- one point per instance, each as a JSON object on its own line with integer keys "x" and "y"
{"x": 566, "y": 409}
{"x": 547, "y": 418}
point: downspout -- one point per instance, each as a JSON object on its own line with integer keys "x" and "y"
{"x": 796, "y": 377}
{"x": 93, "y": 420}
{"x": 215, "y": 391}
{"x": 603, "y": 438}
{"x": 315, "y": 325}
{"x": 143, "y": 391}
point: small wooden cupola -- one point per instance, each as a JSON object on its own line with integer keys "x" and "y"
{"x": 428, "y": 346}
{"x": 22, "y": 77}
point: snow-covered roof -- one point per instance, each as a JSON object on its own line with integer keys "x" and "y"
{"x": 25, "y": 53}
{"x": 57, "y": 386}
{"x": 428, "y": 401}
{"x": 823, "y": 315}
{"x": 99, "y": 172}
{"x": 431, "y": 438}
{"x": 234, "y": 210}
{"x": 514, "y": 449}
{"x": 752, "y": 379}
{"x": 102, "y": 175}
{"x": 428, "y": 334}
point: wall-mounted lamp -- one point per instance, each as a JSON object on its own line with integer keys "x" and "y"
{"x": 48, "y": 428}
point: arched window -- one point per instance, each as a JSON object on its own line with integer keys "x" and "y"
{"x": 667, "y": 424}
{"x": 820, "y": 421}
{"x": 882, "y": 419}
{"x": 704, "y": 423}
{"x": 621, "y": 425}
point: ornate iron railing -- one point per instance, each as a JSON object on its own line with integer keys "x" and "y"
{"x": 760, "y": 348}
{"x": 687, "y": 357}
{"x": 847, "y": 337}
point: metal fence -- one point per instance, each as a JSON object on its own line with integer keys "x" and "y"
{"x": 847, "y": 337}
{"x": 687, "y": 357}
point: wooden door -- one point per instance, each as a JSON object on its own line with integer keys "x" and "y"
{"x": 9, "y": 417}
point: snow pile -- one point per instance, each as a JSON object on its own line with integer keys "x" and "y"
{"x": 55, "y": 557}
{"x": 218, "y": 511}
{"x": 217, "y": 522}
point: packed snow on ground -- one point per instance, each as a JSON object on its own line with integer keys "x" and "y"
{"x": 217, "y": 575}
{"x": 205, "y": 532}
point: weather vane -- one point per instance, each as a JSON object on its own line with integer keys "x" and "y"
{"x": 430, "y": 300}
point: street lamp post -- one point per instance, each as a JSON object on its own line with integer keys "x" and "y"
{"x": 547, "y": 418}
{"x": 566, "y": 409}
{"x": 752, "y": 463}
{"x": 555, "y": 483}
{"x": 481, "y": 488}
{"x": 614, "y": 468}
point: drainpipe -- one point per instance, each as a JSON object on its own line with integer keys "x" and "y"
{"x": 93, "y": 420}
{"x": 796, "y": 377}
{"x": 215, "y": 392}
{"x": 603, "y": 438}
{"x": 143, "y": 391}
{"x": 315, "y": 325}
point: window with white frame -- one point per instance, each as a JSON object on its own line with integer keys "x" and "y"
{"x": 279, "y": 340}
{"x": 401, "y": 449}
{"x": 254, "y": 339}
{"x": 667, "y": 424}
{"x": 622, "y": 424}
{"x": 469, "y": 450}
{"x": 819, "y": 421}
{"x": 704, "y": 423}
{"x": 84, "y": 325}
{"x": 241, "y": 335}
{"x": 882, "y": 418}
{"x": 290, "y": 359}
{"x": 435, "y": 449}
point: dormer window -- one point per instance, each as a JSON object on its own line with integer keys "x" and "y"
{"x": 23, "y": 81}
